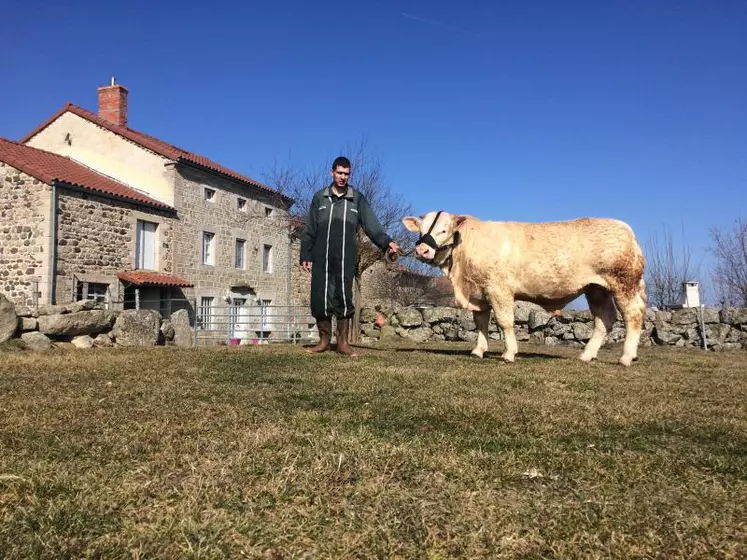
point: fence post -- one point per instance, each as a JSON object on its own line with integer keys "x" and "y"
{"x": 194, "y": 306}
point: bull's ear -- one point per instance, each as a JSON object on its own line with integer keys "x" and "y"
{"x": 458, "y": 220}
{"x": 412, "y": 223}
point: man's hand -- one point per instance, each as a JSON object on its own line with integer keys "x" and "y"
{"x": 306, "y": 265}
{"x": 393, "y": 250}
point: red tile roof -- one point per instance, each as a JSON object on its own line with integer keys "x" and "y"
{"x": 144, "y": 278}
{"x": 155, "y": 145}
{"x": 49, "y": 167}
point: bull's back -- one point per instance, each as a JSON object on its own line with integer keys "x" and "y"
{"x": 552, "y": 258}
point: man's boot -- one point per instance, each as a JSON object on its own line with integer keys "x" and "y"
{"x": 325, "y": 330}
{"x": 343, "y": 329}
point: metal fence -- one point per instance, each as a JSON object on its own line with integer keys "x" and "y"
{"x": 252, "y": 324}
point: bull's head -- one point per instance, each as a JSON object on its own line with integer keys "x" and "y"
{"x": 438, "y": 235}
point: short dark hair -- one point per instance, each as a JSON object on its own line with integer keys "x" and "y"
{"x": 341, "y": 161}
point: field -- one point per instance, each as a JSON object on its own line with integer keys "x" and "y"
{"x": 265, "y": 452}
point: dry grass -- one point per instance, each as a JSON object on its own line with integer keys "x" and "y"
{"x": 264, "y": 452}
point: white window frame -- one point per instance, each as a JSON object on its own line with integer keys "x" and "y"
{"x": 267, "y": 267}
{"x": 241, "y": 204}
{"x": 140, "y": 236}
{"x": 239, "y": 252}
{"x": 91, "y": 290}
{"x": 209, "y": 246}
{"x": 209, "y": 194}
{"x": 206, "y": 313}
{"x": 269, "y": 211}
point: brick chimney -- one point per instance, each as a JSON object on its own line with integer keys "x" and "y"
{"x": 113, "y": 103}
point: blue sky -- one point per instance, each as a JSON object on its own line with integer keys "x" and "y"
{"x": 524, "y": 110}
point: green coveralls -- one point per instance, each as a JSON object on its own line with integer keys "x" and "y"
{"x": 329, "y": 241}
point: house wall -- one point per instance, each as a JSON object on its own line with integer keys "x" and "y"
{"x": 110, "y": 154}
{"x": 25, "y": 207}
{"x": 223, "y": 218}
{"x": 96, "y": 240}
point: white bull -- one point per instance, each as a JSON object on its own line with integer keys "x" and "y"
{"x": 492, "y": 264}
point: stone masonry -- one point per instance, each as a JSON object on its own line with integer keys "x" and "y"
{"x": 96, "y": 240}
{"x": 223, "y": 217}
{"x": 24, "y": 236}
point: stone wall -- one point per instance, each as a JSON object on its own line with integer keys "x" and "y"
{"x": 725, "y": 329}
{"x": 25, "y": 206}
{"x": 86, "y": 324}
{"x": 97, "y": 237}
{"x": 227, "y": 222}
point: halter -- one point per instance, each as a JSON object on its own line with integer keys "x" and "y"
{"x": 431, "y": 242}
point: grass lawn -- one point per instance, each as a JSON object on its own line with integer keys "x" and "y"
{"x": 265, "y": 452}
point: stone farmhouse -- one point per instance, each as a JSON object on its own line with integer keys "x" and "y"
{"x": 93, "y": 209}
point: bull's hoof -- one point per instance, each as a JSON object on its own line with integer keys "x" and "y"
{"x": 477, "y": 353}
{"x": 626, "y": 360}
{"x": 587, "y": 358}
{"x": 508, "y": 358}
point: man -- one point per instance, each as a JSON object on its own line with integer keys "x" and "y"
{"x": 329, "y": 250}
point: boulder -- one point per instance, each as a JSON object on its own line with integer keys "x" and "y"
{"x": 409, "y": 317}
{"x": 36, "y": 341}
{"x": 26, "y": 324}
{"x": 368, "y": 315}
{"x": 137, "y": 327}
{"x": 662, "y": 335}
{"x": 468, "y": 336}
{"x": 465, "y": 320}
{"x": 387, "y": 333}
{"x": 8, "y": 319}
{"x": 582, "y": 331}
{"x": 688, "y": 316}
{"x": 419, "y": 334}
{"x": 183, "y": 334}
{"x": 439, "y": 314}
{"x": 522, "y": 311}
{"x": 82, "y": 341}
{"x": 73, "y": 324}
{"x": 538, "y": 318}
{"x": 710, "y": 315}
{"x": 167, "y": 329}
{"x": 103, "y": 340}
{"x": 370, "y": 331}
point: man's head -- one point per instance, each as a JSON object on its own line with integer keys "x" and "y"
{"x": 436, "y": 231}
{"x": 340, "y": 171}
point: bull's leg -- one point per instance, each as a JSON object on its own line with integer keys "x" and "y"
{"x": 503, "y": 307}
{"x": 602, "y": 307}
{"x": 463, "y": 301}
{"x": 632, "y": 305}
{"x": 482, "y": 320}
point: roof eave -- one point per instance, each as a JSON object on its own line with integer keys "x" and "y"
{"x": 90, "y": 190}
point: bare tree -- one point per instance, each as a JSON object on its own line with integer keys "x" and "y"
{"x": 730, "y": 273}
{"x": 368, "y": 177}
{"x": 666, "y": 271}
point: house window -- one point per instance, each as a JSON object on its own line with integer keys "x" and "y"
{"x": 209, "y": 194}
{"x": 267, "y": 317}
{"x": 205, "y": 313}
{"x": 267, "y": 259}
{"x": 145, "y": 249}
{"x": 268, "y": 212}
{"x": 241, "y": 204}
{"x": 239, "y": 260}
{"x": 92, "y": 290}
{"x": 208, "y": 248}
